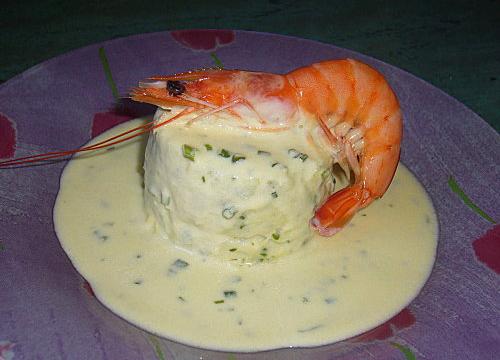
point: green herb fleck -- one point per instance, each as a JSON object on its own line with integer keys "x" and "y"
{"x": 265, "y": 153}
{"x": 224, "y": 153}
{"x": 233, "y": 249}
{"x": 208, "y": 147}
{"x": 180, "y": 264}
{"x": 312, "y": 328}
{"x": 242, "y": 217}
{"x": 263, "y": 254}
{"x": 405, "y": 350}
{"x": 297, "y": 154}
{"x": 293, "y": 153}
{"x": 100, "y": 236}
{"x": 203, "y": 178}
{"x": 229, "y": 294}
{"x": 457, "y": 190}
{"x": 158, "y": 351}
{"x": 228, "y": 213}
{"x": 238, "y": 157}
{"x": 274, "y": 194}
{"x": 188, "y": 152}
{"x": 218, "y": 301}
{"x": 181, "y": 298}
{"x": 107, "y": 73}
{"x": 217, "y": 61}
{"x": 276, "y": 236}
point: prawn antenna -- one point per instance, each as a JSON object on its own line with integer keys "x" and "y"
{"x": 117, "y": 139}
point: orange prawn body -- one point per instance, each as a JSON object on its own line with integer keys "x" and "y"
{"x": 352, "y": 103}
{"x": 351, "y": 99}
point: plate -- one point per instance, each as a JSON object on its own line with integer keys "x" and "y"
{"x": 48, "y": 311}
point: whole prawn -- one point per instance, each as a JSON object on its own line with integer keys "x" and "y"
{"x": 353, "y": 105}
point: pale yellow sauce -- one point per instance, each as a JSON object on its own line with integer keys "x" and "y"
{"x": 331, "y": 289}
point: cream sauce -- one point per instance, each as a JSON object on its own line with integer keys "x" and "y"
{"x": 332, "y": 289}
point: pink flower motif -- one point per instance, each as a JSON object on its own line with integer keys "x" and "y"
{"x": 106, "y": 120}
{"x": 86, "y": 286}
{"x": 6, "y": 352}
{"x": 487, "y": 249}
{"x": 203, "y": 40}
{"x": 8, "y": 135}
{"x": 388, "y": 329}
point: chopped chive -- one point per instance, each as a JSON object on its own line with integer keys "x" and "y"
{"x": 274, "y": 194}
{"x": 203, "y": 178}
{"x": 188, "y": 152}
{"x": 457, "y": 190}
{"x": 228, "y": 213}
{"x": 181, "y": 298}
{"x": 263, "y": 254}
{"x": 107, "y": 73}
{"x": 312, "y": 328}
{"x": 293, "y": 153}
{"x": 208, "y": 147}
{"x": 224, "y": 153}
{"x": 242, "y": 226}
{"x": 229, "y": 294}
{"x": 265, "y": 153}
{"x": 276, "y": 236}
{"x": 180, "y": 264}
{"x": 278, "y": 165}
{"x": 242, "y": 217}
{"x": 405, "y": 350}
{"x": 233, "y": 249}
{"x": 238, "y": 157}
{"x": 218, "y": 301}
{"x": 296, "y": 154}
{"x": 217, "y": 61}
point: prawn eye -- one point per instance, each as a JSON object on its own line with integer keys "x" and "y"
{"x": 175, "y": 87}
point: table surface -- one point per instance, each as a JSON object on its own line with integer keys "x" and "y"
{"x": 453, "y": 45}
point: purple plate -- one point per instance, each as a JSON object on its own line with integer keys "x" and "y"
{"x": 48, "y": 312}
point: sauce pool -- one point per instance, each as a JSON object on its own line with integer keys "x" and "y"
{"x": 332, "y": 289}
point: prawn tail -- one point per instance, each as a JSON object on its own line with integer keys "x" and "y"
{"x": 338, "y": 210}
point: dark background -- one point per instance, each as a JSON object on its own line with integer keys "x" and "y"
{"x": 454, "y": 45}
